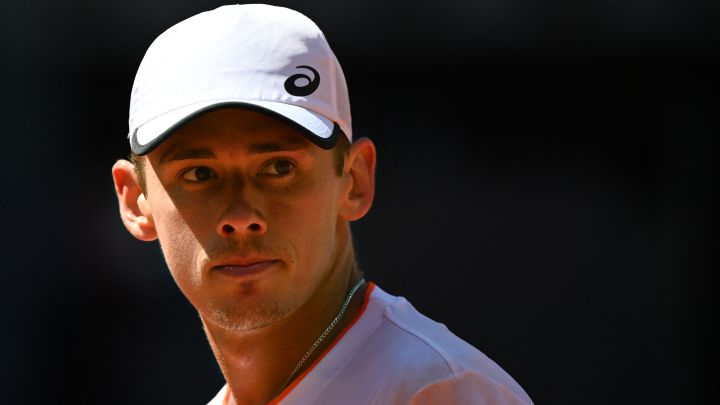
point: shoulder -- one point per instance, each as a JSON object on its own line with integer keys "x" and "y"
{"x": 468, "y": 387}
{"x": 423, "y": 360}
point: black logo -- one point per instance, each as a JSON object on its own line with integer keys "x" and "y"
{"x": 305, "y": 90}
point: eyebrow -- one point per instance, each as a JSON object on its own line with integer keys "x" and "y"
{"x": 184, "y": 154}
{"x": 275, "y": 147}
{"x": 175, "y": 154}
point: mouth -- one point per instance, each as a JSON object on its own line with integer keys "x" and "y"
{"x": 244, "y": 269}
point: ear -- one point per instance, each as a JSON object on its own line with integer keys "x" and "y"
{"x": 360, "y": 168}
{"x": 134, "y": 208}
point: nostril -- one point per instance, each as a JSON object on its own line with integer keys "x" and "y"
{"x": 228, "y": 228}
{"x": 254, "y": 227}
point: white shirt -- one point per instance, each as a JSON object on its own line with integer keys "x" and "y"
{"x": 392, "y": 354}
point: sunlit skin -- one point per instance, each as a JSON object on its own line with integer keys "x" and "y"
{"x": 253, "y": 221}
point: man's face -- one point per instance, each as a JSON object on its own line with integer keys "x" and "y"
{"x": 247, "y": 212}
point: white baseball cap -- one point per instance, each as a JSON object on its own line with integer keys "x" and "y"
{"x": 270, "y": 59}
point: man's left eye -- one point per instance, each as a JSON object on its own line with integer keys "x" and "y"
{"x": 278, "y": 167}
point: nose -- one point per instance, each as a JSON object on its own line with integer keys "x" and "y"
{"x": 240, "y": 218}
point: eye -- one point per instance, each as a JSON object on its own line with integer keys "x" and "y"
{"x": 279, "y": 167}
{"x": 198, "y": 174}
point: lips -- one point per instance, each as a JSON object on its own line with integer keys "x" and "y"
{"x": 244, "y": 268}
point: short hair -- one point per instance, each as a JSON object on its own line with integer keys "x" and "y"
{"x": 341, "y": 150}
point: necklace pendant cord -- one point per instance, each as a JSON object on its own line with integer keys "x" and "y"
{"x": 325, "y": 333}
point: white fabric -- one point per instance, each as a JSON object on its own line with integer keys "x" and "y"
{"x": 395, "y": 355}
{"x": 243, "y": 53}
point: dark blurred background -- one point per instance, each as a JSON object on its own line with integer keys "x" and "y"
{"x": 547, "y": 188}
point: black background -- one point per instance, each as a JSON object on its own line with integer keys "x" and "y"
{"x": 547, "y": 188}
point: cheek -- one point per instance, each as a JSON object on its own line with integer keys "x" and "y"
{"x": 307, "y": 215}
{"x": 179, "y": 245}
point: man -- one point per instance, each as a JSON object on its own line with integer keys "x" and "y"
{"x": 244, "y": 169}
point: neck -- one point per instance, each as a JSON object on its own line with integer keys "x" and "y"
{"x": 257, "y": 363}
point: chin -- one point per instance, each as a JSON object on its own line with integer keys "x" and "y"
{"x": 252, "y": 314}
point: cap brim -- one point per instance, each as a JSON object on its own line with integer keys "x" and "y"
{"x": 318, "y": 129}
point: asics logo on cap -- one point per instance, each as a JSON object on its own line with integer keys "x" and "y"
{"x": 305, "y": 90}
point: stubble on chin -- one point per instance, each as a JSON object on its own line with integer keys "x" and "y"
{"x": 245, "y": 315}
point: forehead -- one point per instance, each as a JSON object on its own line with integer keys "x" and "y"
{"x": 233, "y": 128}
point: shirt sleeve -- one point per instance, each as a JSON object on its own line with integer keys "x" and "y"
{"x": 471, "y": 388}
